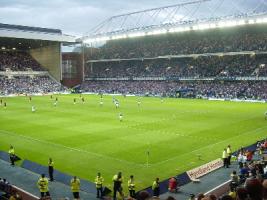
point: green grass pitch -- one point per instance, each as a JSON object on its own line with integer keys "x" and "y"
{"x": 84, "y": 139}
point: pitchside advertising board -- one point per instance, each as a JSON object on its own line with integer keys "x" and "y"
{"x": 205, "y": 169}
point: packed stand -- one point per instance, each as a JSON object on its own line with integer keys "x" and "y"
{"x": 250, "y": 181}
{"x": 214, "y": 66}
{"x": 18, "y": 61}
{"x": 204, "y": 89}
{"x": 6, "y": 191}
{"x": 39, "y": 84}
{"x": 232, "y": 40}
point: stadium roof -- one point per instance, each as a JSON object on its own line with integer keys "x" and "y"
{"x": 23, "y": 44}
{"x": 36, "y": 33}
{"x": 29, "y": 28}
{"x": 180, "y": 17}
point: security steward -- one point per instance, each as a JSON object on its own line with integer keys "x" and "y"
{"x": 51, "y": 169}
{"x": 99, "y": 185}
{"x": 131, "y": 186}
{"x": 225, "y": 159}
{"x": 43, "y": 186}
{"x": 117, "y": 185}
{"x": 155, "y": 188}
{"x": 229, "y": 154}
{"x": 11, "y": 152}
{"x": 75, "y": 187}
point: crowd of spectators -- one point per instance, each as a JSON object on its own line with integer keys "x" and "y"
{"x": 201, "y": 89}
{"x": 250, "y": 182}
{"x": 5, "y": 188}
{"x": 18, "y": 61}
{"x": 211, "y": 66}
{"x": 6, "y": 191}
{"x": 39, "y": 84}
{"x": 235, "y": 40}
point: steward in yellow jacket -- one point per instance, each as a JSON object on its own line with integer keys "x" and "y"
{"x": 99, "y": 185}
{"x": 43, "y": 186}
{"x": 131, "y": 186}
{"x": 75, "y": 187}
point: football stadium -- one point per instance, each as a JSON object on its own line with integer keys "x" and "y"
{"x": 166, "y": 103}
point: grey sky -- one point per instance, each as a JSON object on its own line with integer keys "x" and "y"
{"x": 73, "y": 16}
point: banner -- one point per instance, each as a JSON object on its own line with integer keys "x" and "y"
{"x": 204, "y": 169}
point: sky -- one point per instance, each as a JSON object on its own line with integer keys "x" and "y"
{"x": 74, "y": 17}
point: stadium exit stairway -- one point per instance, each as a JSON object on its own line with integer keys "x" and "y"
{"x": 27, "y": 181}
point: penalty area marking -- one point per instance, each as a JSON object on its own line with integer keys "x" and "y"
{"x": 69, "y": 148}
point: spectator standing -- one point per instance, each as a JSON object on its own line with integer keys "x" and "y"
{"x": 234, "y": 180}
{"x": 173, "y": 185}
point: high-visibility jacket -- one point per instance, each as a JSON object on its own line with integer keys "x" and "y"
{"x": 224, "y": 154}
{"x": 155, "y": 185}
{"x": 229, "y": 151}
{"x": 75, "y": 185}
{"x": 11, "y": 151}
{"x": 51, "y": 164}
{"x": 43, "y": 184}
{"x": 99, "y": 181}
{"x": 131, "y": 184}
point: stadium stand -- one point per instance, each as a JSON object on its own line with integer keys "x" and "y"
{"x": 211, "y": 64}
{"x": 199, "y": 89}
{"x": 231, "y": 40}
{"x": 20, "y": 85}
{"x": 18, "y": 61}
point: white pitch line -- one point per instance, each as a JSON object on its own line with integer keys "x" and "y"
{"x": 173, "y": 158}
{"x": 70, "y": 148}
